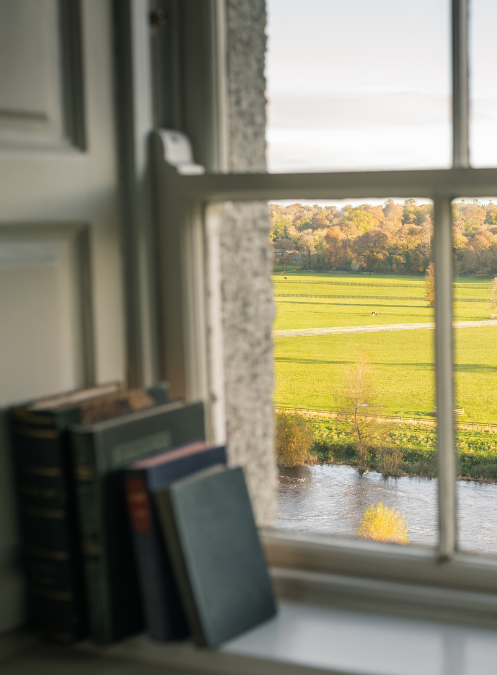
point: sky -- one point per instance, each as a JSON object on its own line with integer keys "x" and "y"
{"x": 366, "y": 84}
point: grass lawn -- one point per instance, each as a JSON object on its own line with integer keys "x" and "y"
{"x": 321, "y": 313}
{"x": 334, "y": 278}
{"x": 310, "y": 370}
{"x": 327, "y": 312}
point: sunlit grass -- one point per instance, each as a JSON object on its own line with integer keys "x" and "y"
{"x": 310, "y": 371}
{"x": 328, "y": 312}
{"x": 322, "y": 313}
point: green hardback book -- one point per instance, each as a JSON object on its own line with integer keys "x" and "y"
{"x": 100, "y": 453}
{"x": 47, "y": 502}
{"x": 216, "y": 553}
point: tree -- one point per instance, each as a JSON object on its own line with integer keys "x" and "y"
{"x": 352, "y": 238}
{"x": 294, "y": 439}
{"x": 282, "y": 249}
{"x": 491, "y": 218}
{"x": 430, "y": 284}
{"x": 380, "y": 523}
{"x": 279, "y": 226}
{"x": 335, "y": 252}
{"x": 470, "y": 218}
{"x": 371, "y": 249}
{"x": 357, "y": 399}
{"x": 358, "y": 219}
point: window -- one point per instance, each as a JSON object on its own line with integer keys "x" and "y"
{"x": 189, "y": 197}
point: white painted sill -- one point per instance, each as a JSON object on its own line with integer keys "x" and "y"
{"x": 327, "y": 622}
{"x": 301, "y": 640}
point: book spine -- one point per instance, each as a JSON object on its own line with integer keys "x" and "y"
{"x": 92, "y": 540}
{"x": 165, "y": 509}
{"x": 149, "y": 572}
{"x": 48, "y": 524}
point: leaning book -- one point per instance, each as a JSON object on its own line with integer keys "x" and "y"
{"x": 100, "y": 453}
{"x": 216, "y": 553}
{"x": 46, "y": 497}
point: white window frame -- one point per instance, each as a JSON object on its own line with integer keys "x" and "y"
{"x": 183, "y": 202}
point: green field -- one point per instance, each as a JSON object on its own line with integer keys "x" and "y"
{"x": 310, "y": 371}
{"x": 306, "y": 312}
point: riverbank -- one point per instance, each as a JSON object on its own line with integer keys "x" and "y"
{"x": 406, "y": 449}
{"x": 329, "y": 499}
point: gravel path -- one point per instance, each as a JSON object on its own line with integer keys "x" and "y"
{"x": 376, "y": 329}
{"x": 410, "y": 298}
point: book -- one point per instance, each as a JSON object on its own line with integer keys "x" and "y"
{"x": 101, "y": 451}
{"x": 217, "y": 557}
{"x": 164, "y": 613}
{"x": 46, "y": 497}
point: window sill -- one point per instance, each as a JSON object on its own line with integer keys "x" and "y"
{"x": 345, "y": 607}
{"x": 389, "y": 563}
{"x": 301, "y": 640}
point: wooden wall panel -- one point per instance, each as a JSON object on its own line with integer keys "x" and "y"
{"x": 40, "y": 74}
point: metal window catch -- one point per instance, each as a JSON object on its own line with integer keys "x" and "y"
{"x": 158, "y": 17}
{"x": 178, "y": 153}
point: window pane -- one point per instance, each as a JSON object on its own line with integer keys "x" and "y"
{"x": 475, "y": 333}
{"x": 483, "y": 97}
{"x": 358, "y": 84}
{"x": 354, "y": 362}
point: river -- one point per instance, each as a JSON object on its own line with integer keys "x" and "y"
{"x": 332, "y": 499}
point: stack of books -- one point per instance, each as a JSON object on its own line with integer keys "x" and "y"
{"x": 131, "y": 521}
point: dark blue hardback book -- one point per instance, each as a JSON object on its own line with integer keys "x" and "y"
{"x": 216, "y": 554}
{"x": 164, "y": 612}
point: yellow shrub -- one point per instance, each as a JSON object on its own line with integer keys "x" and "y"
{"x": 383, "y": 524}
{"x": 294, "y": 439}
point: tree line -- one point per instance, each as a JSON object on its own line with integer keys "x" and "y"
{"x": 390, "y": 239}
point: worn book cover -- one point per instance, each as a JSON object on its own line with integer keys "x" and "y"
{"x": 100, "y": 452}
{"x": 216, "y": 553}
{"x": 164, "y": 613}
{"x": 50, "y": 529}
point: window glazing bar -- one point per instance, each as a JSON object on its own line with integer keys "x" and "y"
{"x": 460, "y": 85}
{"x": 446, "y": 453}
{"x": 351, "y": 185}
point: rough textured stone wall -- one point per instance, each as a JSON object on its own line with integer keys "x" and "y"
{"x": 246, "y": 266}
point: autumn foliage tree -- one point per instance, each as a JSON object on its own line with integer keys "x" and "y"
{"x": 294, "y": 439}
{"x": 389, "y": 239}
{"x": 282, "y": 249}
{"x": 357, "y": 405}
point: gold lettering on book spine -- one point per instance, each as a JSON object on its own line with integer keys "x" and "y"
{"x": 37, "y": 492}
{"x": 63, "y": 596}
{"x": 24, "y": 415}
{"x": 48, "y": 554}
{"x": 54, "y": 514}
{"x": 36, "y": 433}
{"x": 55, "y": 636}
{"x": 90, "y": 546}
{"x": 84, "y": 472}
{"x": 48, "y": 471}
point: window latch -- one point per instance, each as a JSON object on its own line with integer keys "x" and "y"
{"x": 178, "y": 153}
